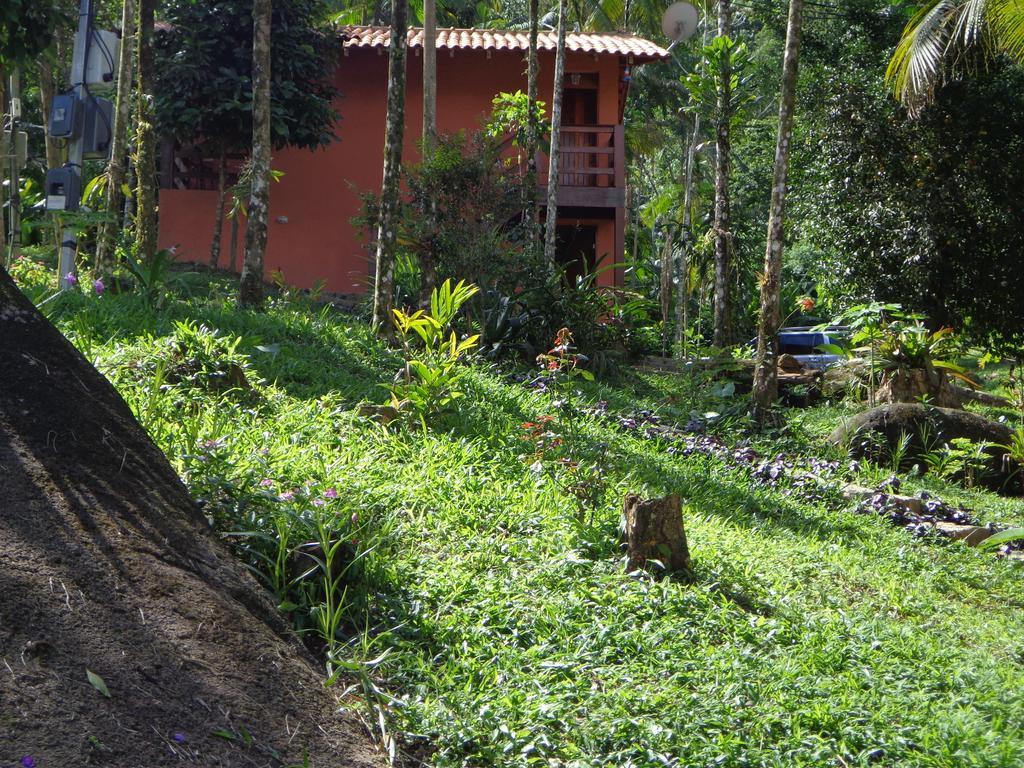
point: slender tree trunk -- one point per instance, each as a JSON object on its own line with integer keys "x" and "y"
{"x": 723, "y": 235}
{"x": 251, "y": 285}
{"x": 429, "y": 74}
{"x": 683, "y": 276}
{"x": 555, "y": 151}
{"x": 233, "y": 246}
{"x": 766, "y": 383}
{"x": 532, "y": 122}
{"x": 666, "y": 288}
{"x": 218, "y": 216}
{"x": 383, "y": 290}
{"x": 145, "y": 137}
{"x": 47, "y": 89}
{"x": 428, "y": 260}
{"x": 118, "y": 145}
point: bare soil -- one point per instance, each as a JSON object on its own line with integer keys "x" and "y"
{"x": 107, "y": 566}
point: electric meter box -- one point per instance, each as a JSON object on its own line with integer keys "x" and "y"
{"x": 98, "y": 128}
{"x": 63, "y": 189}
{"x": 104, "y": 50}
{"x": 64, "y": 116}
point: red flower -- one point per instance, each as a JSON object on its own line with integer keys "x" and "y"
{"x": 805, "y": 304}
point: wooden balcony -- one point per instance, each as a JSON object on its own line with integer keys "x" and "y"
{"x": 592, "y": 168}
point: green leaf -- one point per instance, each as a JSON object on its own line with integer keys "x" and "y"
{"x": 1013, "y": 534}
{"x": 97, "y": 682}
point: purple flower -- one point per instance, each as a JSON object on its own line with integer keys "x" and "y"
{"x": 28, "y": 762}
{"x": 179, "y": 737}
{"x": 70, "y": 280}
{"x": 330, "y": 493}
{"x": 287, "y": 496}
{"x": 267, "y": 483}
{"x": 318, "y": 502}
{"x": 97, "y": 285}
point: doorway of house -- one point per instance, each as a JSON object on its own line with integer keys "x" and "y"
{"x": 579, "y": 110}
{"x": 576, "y": 249}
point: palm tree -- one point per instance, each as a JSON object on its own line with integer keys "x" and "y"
{"x": 938, "y": 35}
{"x": 387, "y": 225}
{"x": 251, "y": 285}
{"x": 766, "y": 382}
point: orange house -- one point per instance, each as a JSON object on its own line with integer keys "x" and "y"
{"x": 311, "y": 236}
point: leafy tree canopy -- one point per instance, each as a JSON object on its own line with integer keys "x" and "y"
{"x": 27, "y": 28}
{"x": 204, "y": 73}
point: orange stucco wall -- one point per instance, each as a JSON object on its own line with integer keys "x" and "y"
{"x": 311, "y": 236}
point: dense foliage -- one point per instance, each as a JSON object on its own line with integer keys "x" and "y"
{"x": 203, "y": 88}
{"x": 27, "y": 28}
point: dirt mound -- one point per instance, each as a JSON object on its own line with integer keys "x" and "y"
{"x": 107, "y": 567}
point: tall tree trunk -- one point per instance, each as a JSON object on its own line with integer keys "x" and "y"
{"x": 665, "y": 288}
{"x": 532, "y": 122}
{"x": 683, "y": 275}
{"x": 47, "y": 89}
{"x": 218, "y": 217}
{"x": 251, "y": 284}
{"x": 383, "y": 291}
{"x": 429, "y": 74}
{"x": 555, "y": 150}
{"x": 118, "y": 145}
{"x": 766, "y": 383}
{"x": 145, "y": 137}
{"x": 428, "y": 260}
{"x": 723, "y": 235}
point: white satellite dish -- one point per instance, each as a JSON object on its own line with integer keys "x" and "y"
{"x": 679, "y": 21}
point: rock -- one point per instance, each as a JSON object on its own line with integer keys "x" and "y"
{"x": 980, "y": 396}
{"x": 875, "y": 433}
{"x": 888, "y": 423}
{"x": 654, "y": 531}
{"x": 789, "y": 364}
{"x": 912, "y": 504}
{"x": 971, "y": 535}
{"x": 383, "y": 414}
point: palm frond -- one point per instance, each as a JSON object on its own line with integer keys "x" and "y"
{"x": 940, "y": 32}
{"x": 1007, "y": 20}
{"x": 916, "y": 66}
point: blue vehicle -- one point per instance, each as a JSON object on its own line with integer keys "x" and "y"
{"x": 804, "y": 344}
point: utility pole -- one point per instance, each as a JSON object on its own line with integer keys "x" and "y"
{"x": 15, "y": 91}
{"x": 76, "y": 147}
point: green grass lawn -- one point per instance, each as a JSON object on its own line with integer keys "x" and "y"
{"x": 808, "y": 635}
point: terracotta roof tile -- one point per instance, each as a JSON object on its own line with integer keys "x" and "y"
{"x": 614, "y": 44}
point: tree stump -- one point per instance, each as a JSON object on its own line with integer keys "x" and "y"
{"x": 654, "y": 531}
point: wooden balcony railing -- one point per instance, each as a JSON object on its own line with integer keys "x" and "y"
{"x": 592, "y": 167}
